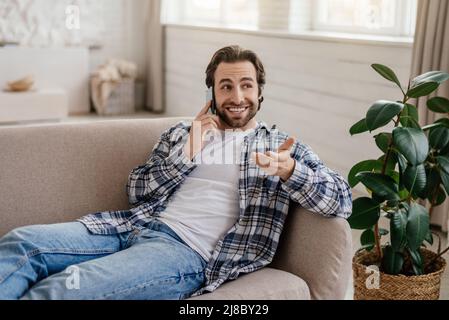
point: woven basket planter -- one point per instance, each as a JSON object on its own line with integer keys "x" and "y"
{"x": 396, "y": 287}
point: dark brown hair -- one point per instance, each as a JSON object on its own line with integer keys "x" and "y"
{"x": 235, "y": 54}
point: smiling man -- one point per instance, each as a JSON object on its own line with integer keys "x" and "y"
{"x": 208, "y": 205}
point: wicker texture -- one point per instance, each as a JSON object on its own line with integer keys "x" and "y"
{"x": 396, "y": 287}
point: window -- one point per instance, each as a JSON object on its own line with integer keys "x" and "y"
{"x": 234, "y": 14}
{"x": 380, "y": 17}
{"x": 385, "y": 17}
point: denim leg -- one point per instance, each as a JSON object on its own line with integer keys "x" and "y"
{"x": 158, "y": 265}
{"x": 30, "y": 254}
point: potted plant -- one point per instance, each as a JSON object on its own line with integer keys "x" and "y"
{"x": 413, "y": 168}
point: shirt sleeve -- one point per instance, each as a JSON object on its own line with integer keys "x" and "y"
{"x": 316, "y": 187}
{"x": 166, "y": 167}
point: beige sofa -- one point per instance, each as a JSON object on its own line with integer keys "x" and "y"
{"x": 58, "y": 172}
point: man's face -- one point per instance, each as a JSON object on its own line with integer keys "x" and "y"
{"x": 236, "y": 93}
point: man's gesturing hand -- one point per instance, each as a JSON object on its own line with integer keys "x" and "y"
{"x": 278, "y": 163}
{"x": 200, "y": 126}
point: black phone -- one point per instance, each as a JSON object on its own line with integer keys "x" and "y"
{"x": 211, "y": 96}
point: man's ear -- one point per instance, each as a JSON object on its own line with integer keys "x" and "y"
{"x": 260, "y": 102}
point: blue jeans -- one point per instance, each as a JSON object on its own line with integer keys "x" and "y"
{"x": 66, "y": 261}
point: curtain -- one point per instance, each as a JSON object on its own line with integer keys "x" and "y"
{"x": 431, "y": 52}
{"x": 155, "y": 57}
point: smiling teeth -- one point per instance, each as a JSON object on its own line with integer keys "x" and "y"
{"x": 237, "y": 109}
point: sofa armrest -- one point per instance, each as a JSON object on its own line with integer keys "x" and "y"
{"x": 317, "y": 249}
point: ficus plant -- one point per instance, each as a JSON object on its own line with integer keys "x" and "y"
{"x": 413, "y": 167}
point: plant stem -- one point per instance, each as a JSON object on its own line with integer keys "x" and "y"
{"x": 384, "y": 168}
{"x": 377, "y": 240}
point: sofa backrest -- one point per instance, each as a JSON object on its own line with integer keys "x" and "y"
{"x": 58, "y": 172}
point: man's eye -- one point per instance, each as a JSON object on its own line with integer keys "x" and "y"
{"x": 226, "y": 87}
{"x": 247, "y": 86}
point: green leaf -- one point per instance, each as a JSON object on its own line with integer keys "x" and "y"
{"x": 441, "y": 196}
{"x": 394, "y": 175}
{"x": 433, "y": 180}
{"x": 443, "y": 121}
{"x": 365, "y": 213}
{"x": 382, "y": 112}
{"x": 367, "y": 165}
{"x": 429, "y": 237}
{"x": 444, "y": 151}
{"x": 392, "y": 261}
{"x": 383, "y": 140}
{"x": 391, "y": 162}
{"x": 402, "y": 163}
{"x": 380, "y": 184}
{"x": 387, "y": 73}
{"x": 443, "y": 162}
{"x": 359, "y": 127}
{"x": 423, "y": 89}
{"x": 438, "y": 105}
{"x": 412, "y": 143}
{"x": 409, "y": 116}
{"x": 367, "y": 239}
{"x": 417, "y": 261}
{"x": 417, "y": 225}
{"x": 415, "y": 179}
{"x": 439, "y": 137}
{"x": 435, "y": 76}
{"x": 398, "y": 226}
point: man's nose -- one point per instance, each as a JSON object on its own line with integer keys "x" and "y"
{"x": 237, "y": 96}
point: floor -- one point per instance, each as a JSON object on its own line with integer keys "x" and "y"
{"x": 444, "y": 292}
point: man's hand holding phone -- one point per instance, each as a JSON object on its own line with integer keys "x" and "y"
{"x": 203, "y": 122}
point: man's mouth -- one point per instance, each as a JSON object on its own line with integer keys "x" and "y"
{"x": 236, "y": 110}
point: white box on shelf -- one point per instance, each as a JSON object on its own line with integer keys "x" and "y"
{"x": 44, "y": 104}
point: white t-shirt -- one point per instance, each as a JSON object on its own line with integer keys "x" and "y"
{"x": 206, "y": 205}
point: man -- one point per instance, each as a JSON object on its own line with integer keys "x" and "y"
{"x": 208, "y": 205}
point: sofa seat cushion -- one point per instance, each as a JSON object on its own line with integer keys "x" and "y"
{"x": 264, "y": 284}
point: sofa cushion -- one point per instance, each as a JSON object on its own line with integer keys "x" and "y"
{"x": 264, "y": 284}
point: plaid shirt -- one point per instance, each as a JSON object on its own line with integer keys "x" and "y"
{"x": 264, "y": 200}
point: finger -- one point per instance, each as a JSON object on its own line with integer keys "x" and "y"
{"x": 209, "y": 122}
{"x": 205, "y": 108}
{"x": 273, "y": 155}
{"x": 279, "y": 156}
{"x": 204, "y": 116}
{"x": 214, "y": 118}
{"x": 287, "y": 144}
{"x": 272, "y": 169}
{"x": 263, "y": 160}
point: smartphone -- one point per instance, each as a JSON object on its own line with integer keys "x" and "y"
{"x": 210, "y": 96}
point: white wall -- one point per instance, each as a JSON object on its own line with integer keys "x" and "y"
{"x": 116, "y": 28}
{"x": 316, "y": 89}
{"x": 124, "y": 36}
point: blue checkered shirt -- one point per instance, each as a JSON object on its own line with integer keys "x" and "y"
{"x": 264, "y": 200}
